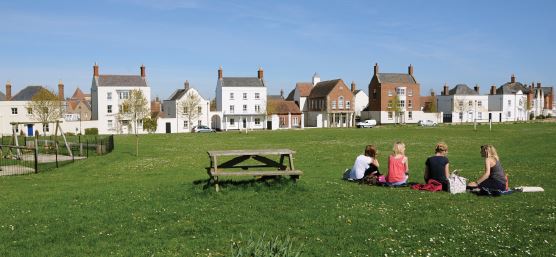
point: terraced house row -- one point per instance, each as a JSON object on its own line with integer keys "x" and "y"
{"x": 243, "y": 103}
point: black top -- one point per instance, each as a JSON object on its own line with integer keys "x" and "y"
{"x": 497, "y": 173}
{"x": 437, "y": 166}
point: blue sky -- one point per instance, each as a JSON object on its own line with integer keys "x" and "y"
{"x": 472, "y": 42}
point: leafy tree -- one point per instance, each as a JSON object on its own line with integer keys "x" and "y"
{"x": 190, "y": 107}
{"x": 45, "y": 107}
{"x": 150, "y": 124}
{"x": 397, "y": 108}
{"x": 135, "y": 109}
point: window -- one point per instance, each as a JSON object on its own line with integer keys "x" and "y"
{"x": 257, "y": 121}
{"x": 244, "y": 108}
{"x": 509, "y": 104}
{"x": 509, "y": 114}
{"x": 232, "y": 122}
{"x": 470, "y": 104}
{"x": 109, "y": 108}
{"x": 410, "y": 92}
{"x": 231, "y": 109}
{"x": 109, "y": 96}
{"x": 341, "y": 102}
{"x": 185, "y": 109}
{"x": 460, "y": 103}
{"x": 409, "y": 103}
{"x": 199, "y": 123}
{"x": 257, "y": 95}
{"x": 409, "y": 115}
{"x": 29, "y": 110}
{"x": 461, "y": 116}
{"x": 348, "y": 105}
{"x": 480, "y": 115}
{"x": 480, "y": 103}
{"x": 231, "y": 96}
{"x": 14, "y": 110}
{"x": 199, "y": 109}
{"x": 400, "y": 91}
{"x": 390, "y": 103}
{"x": 185, "y": 124}
{"x": 470, "y": 115}
{"x": 257, "y": 108}
{"x": 390, "y": 114}
{"x": 123, "y": 94}
{"x": 402, "y": 103}
{"x": 110, "y": 125}
{"x": 333, "y": 105}
{"x": 389, "y": 92}
{"x": 244, "y": 96}
{"x": 46, "y": 127}
{"x": 295, "y": 121}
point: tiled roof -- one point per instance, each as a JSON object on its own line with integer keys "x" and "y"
{"x": 242, "y": 82}
{"x": 291, "y": 95}
{"x": 547, "y": 90}
{"x": 511, "y": 88}
{"x": 304, "y": 88}
{"x": 396, "y": 78}
{"x": 121, "y": 81}
{"x": 462, "y": 89}
{"x": 283, "y": 107}
{"x": 27, "y": 93}
{"x": 78, "y": 94}
{"x": 274, "y": 98}
{"x": 178, "y": 94}
{"x": 2, "y": 97}
{"x": 323, "y": 88}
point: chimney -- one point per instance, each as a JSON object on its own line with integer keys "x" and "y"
{"x": 353, "y": 86}
{"x": 143, "y": 73}
{"x": 316, "y": 79}
{"x": 538, "y": 84}
{"x": 61, "y": 90}
{"x": 513, "y": 78}
{"x": 410, "y": 70}
{"x": 186, "y": 85}
{"x": 476, "y": 88}
{"x": 376, "y": 69}
{"x": 260, "y": 73}
{"x": 445, "y": 91}
{"x": 95, "y": 70}
{"x": 493, "y": 89}
{"x": 282, "y": 93}
{"x": 220, "y": 73}
{"x": 432, "y": 92}
{"x": 8, "y": 91}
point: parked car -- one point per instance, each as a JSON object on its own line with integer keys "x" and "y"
{"x": 426, "y": 123}
{"x": 366, "y": 124}
{"x": 202, "y": 129}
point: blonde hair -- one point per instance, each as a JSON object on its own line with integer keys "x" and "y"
{"x": 489, "y": 151}
{"x": 441, "y": 147}
{"x": 399, "y": 148}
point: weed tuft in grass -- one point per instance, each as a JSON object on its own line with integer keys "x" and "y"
{"x": 255, "y": 246}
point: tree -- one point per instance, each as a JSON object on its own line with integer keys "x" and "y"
{"x": 397, "y": 109}
{"x": 45, "y": 107}
{"x": 135, "y": 108}
{"x": 190, "y": 107}
{"x": 150, "y": 124}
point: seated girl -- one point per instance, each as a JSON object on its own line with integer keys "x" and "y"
{"x": 365, "y": 164}
{"x": 398, "y": 166}
{"x": 493, "y": 177}
{"x": 437, "y": 167}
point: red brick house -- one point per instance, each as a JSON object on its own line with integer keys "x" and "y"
{"x": 330, "y": 104}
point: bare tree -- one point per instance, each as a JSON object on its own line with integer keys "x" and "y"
{"x": 45, "y": 107}
{"x": 135, "y": 109}
{"x": 190, "y": 107}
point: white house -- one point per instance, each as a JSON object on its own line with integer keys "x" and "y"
{"x": 463, "y": 104}
{"x": 360, "y": 99}
{"x": 176, "y": 117}
{"x": 240, "y": 102}
{"x": 108, "y": 92}
{"x": 300, "y": 94}
{"x": 509, "y": 101}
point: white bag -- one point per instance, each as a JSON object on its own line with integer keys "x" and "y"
{"x": 457, "y": 184}
{"x": 529, "y": 189}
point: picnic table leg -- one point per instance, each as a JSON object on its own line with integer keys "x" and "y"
{"x": 290, "y": 159}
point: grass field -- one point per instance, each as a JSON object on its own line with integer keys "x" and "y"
{"x": 155, "y": 205}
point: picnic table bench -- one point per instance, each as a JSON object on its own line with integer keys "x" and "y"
{"x": 266, "y": 166}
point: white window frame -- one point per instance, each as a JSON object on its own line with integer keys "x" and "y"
{"x": 333, "y": 105}
{"x": 110, "y": 124}
{"x": 231, "y": 96}
{"x": 244, "y": 108}
{"x": 340, "y": 102}
{"x": 348, "y": 105}
{"x": 257, "y": 121}
{"x": 244, "y": 96}
{"x": 232, "y": 122}
{"x": 257, "y": 95}
{"x": 232, "y": 108}
{"x": 390, "y": 115}
{"x": 109, "y": 108}
{"x": 108, "y": 95}
{"x": 14, "y": 110}
{"x": 185, "y": 124}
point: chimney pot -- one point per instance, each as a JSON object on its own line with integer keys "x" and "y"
{"x": 410, "y": 70}
{"x": 143, "y": 73}
{"x": 376, "y": 69}
{"x": 60, "y": 90}
{"x": 8, "y": 91}
{"x": 260, "y": 73}
{"x": 353, "y": 86}
{"x": 513, "y": 78}
{"x": 493, "y": 90}
{"x": 186, "y": 84}
{"x": 538, "y": 84}
{"x": 477, "y": 88}
{"x": 445, "y": 91}
{"x": 282, "y": 93}
{"x": 95, "y": 70}
{"x": 220, "y": 72}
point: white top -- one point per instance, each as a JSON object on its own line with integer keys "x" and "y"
{"x": 362, "y": 163}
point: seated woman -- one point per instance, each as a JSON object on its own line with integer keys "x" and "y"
{"x": 364, "y": 164}
{"x": 398, "y": 166}
{"x": 493, "y": 176}
{"x": 437, "y": 167}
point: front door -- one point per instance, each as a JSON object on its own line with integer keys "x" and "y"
{"x": 30, "y": 130}
{"x": 168, "y": 128}
{"x": 244, "y": 123}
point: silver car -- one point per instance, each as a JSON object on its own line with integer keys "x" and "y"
{"x": 426, "y": 123}
{"x": 202, "y": 129}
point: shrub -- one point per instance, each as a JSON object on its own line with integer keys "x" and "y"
{"x": 69, "y": 134}
{"x": 540, "y": 117}
{"x": 91, "y": 131}
{"x": 548, "y": 116}
{"x": 261, "y": 247}
{"x": 531, "y": 116}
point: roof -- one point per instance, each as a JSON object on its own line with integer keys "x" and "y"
{"x": 462, "y": 89}
{"x": 291, "y": 95}
{"x": 546, "y": 90}
{"x": 27, "y": 93}
{"x": 78, "y": 94}
{"x": 356, "y": 91}
{"x": 396, "y": 78}
{"x": 304, "y": 88}
{"x": 283, "y": 107}
{"x": 2, "y": 96}
{"x": 242, "y": 82}
{"x": 178, "y": 94}
{"x": 323, "y": 88}
{"x": 511, "y": 88}
{"x": 121, "y": 81}
{"x": 274, "y": 97}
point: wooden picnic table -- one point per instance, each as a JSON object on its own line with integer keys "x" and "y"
{"x": 266, "y": 166}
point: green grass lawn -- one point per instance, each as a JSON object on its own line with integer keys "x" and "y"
{"x": 155, "y": 205}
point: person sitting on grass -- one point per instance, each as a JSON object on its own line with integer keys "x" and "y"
{"x": 364, "y": 165}
{"x": 398, "y": 166}
{"x": 437, "y": 167}
{"x": 493, "y": 177}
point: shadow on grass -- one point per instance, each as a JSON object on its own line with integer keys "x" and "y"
{"x": 267, "y": 182}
